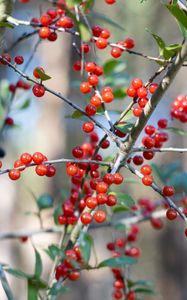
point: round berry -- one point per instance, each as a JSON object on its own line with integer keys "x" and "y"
{"x": 38, "y": 90}
{"x": 168, "y": 190}
{"x": 86, "y": 218}
{"x": 100, "y": 216}
{"x": 171, "y": 214}
{"x": 14, "y": 174}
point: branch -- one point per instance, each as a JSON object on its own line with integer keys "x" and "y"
{"x": 155, "y": 99}
{"x": 23, "y": 233}
{"x": 157, "y": 189}
{"x": 170, "y": 149}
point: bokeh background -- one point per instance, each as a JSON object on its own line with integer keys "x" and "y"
{"x": 43, "y": 127}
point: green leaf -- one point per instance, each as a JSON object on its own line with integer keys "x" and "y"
{"x": 120, "y": 208}
{"x": 178, "y": 131}
{"x": 159, "y": 41}
{"x": 109, "y": 66}
{"x": 99, "y": 16}
{"x": 57, "y": 212}
{"x": 45, "y": 201}
{"x": 73, "y": 2}
{"x": 84, "y": 32}
{"x": 85, "y": 243}
{"x": 76, "y": 115}
{"x": 117, "y": 262}
{"x": 57, "y": 289}
{"x": 53, "y": 251}
{"x": 38, "y": 264}
{"x": 125, "y": 127}
{"x": 119, "y": 93}
{"x": 128, "y": 116}
{"x": 43, "y": 76}
{"x": 6, "y": 24}
{"x": 17, "y": 273}
{"x": 124, "y": 198}
{"x": 26, "y": 104}
{"x": 144, "y": 291}
{"x": 32, "y": 291}
{"x": 179, "y": 14}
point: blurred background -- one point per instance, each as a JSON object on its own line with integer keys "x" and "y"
{"x": 44, "y": 127}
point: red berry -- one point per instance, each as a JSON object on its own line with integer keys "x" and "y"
{"x": 5, "y": 56}
{"x": 72, "y": 170}
{"x": 45, "y": 20}
{"x": 36, "y": 74}
{"x": 110, "y": 2}
{"x": 112, "y": 200}
{"x": 116, "y": 52}
{"x": 162, "y": 123}
{"x": 100, "y": 216}
{"x": 86, "y": 218}
{"x": 96, "y": 30}
{"x": 85, "y": 87}
{"x": 153, "y": 87}
{"x": 19, "y": 60}
{"x": 156, "y": 223}
{"x": 90, "y": 110}
{"x": 137, "y": 83}
{"x": 118, "y": 178}
{"x": 138, "y": 160}
{"x": 142, "y": 92}
{"x": 52, "y": 37}
{"x": 88, "y": 127}
{"x": 171, "y": 214}
{"x": 137, "y": 111}
{"x": 101, "y": 187}
{"x": 108, "y": 178}
{"x": 101, "y": 43}
{"x": 146, "y": 170}
{"x": 75, "y": 275}
{"x": 85, "y": 48}
{"x": 14, "y": 174}
{"x": 77, "y": 152}
{"x": 90, "y": 67}
{"x": 168, "y": 190}
{"x": 91, "y": 202}
{"x": 102, "y": 198}
{"x": 9, "y": 121}
{"x": 38, "y": 158}
{"x": 148, "y": 155}
{"x": 41, "y": 170}
{"x": 131, "y": 295}
{"x": 44, "y": 32}
{"x": 131, "y": 92}
{"x": 26, "y": 158}
{"x": 107, "y": 97}
{"x": 38, "y": 90}
{"x": 65, "y": 22}
{"x": 129, "y": 43}
{"x": 51, "y": 171}
{"x": 147, "y": 180}
{"x": 149, "y": 129}
{"x": 18, "y": 163}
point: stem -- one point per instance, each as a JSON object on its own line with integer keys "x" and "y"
{"x": 5, "y": 284}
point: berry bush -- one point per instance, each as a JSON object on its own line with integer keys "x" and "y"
{"x": 98, "y": 194}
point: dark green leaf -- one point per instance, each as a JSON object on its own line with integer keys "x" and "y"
{"x": 178, "y": 131}
{"x": 17, "y": 273}
{"x": 6, "y": 24}
{"x": 43, "y": 76}
{"x": 179, "y": 14}
{"x": 85, "y": 243}
{"x": 118, "y": 262}
{"x": 109, "y": 66}
{"x": 144, "y": 291}
{"x": 125, "y": 127}
{"x": 53, "y": 251}
{"x": 120, "y": 208}
{"x": 159, "y": 41}
{"x": 38, "y": 264}
{"x": 119, "y": 93}
{"x": 84, "y": 32}
{"x": 45, "y": 201}
{"x": 26, "y": 104}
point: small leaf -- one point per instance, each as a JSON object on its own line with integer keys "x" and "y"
{"x": 178, "y": 131}
{"x": 179, "y": 14}
{"x": 43, "y": 76}
{"x": 119, "y": 93}
{"x": 125, "y": 127}
{"x": 26, "y": 104}
{"x": 57, "y": 212}
{"x": 124, "y": 198}
{"x": 85, "y": 243}
{"x": 6, "y": 24}
{"x": 38, "y": 264}
{"x": 159, "y": 41}
{"x": 76, "y": 115}
{"x": 53, "y": 251}
{"x": 17, "y": 273}
{"x": 120, "y": 227}
{"x": 118, "y": 262}
{"x": 120, "y": 208}
{"x": 109, "y": 66}
{"x": 144, "y": 291}
{"x": 84, "y": 32}
{"x": 45, "y": 201}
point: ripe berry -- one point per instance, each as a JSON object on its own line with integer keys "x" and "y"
{"x": 85, "y": 48}
{"x": 38, "y": 158}
{"x": 171, "y": 214}
{"x": 44, "y": 32}
{"x": 146, "y": 170}
{"x": 148, "y": 155}
{"x": 90, "y": 67}
{"x": 35, "y": 72}
{"x": 137, "y": 83}
{"x": 131, "y": 92}
{"x": 116, "y": 52}
{"x": 117, "y": 294}
{"x": 142, "y": 92}
{"x": 118, "y": 178}
{"x": 96, "y": 30}
{"x": 105, "y": 34}
{"x": 91, "y": 202}
{"x": 138, "y": 160}
{"x": 85, "y": 87}
{"x": 148, "y": 142}
{"x": 65, "y": 22}
{"x": 112, "y": 200}
{"x": 147, "y": 180}
{"x": 107, "y": 97}
{"x": 14, "y": 174}
{"x": 72, "y": 170}
{"x": 88, "y": 127}
{"x": 156, "y": 223}
{"x": 108, "y": 178}
{"x": 90, "y": 110}
{"x": 41, "y": 170}
{"x": 162, "y": 123}
{"x": 129, "y": 43}
{"x": 19, "y": 60}
{"x": 101, "y": 43}
{"x": 38, "y": 90}
{"x": 153, "y": 87}
{"x": 86, "y": 218}
{"x": 45, "y": 20}
{"x": 51, "y": 171}
{"x": 93, "y": 79}
{"x": 149, "y": 129}
{"x": 52, "y": 37}
{"x": 18, "y": 163}
{"x": 137, "y": 111}
{"x": 26, "y": 158}
{"x": 77, "y": 152}
{"x": 100, "y": 216}
{"x": 75, "y": 275}
{"x": 102, "y": 198}
{"x": 168, "y": 190}
{"x": 77, "y": 65}
{"x": 5, "y": 56}
{"x": 105, "y": 144}
{"x": 131, "y": 295}
{"x": 9, "y": 121}
{"x": 110, "y": 2}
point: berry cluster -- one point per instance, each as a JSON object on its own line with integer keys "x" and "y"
{"x": 179, "y": 108}
{"x": 124, "y": 246}
{"x": 66, "y": 267}
{"x": 26, "y": 159}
